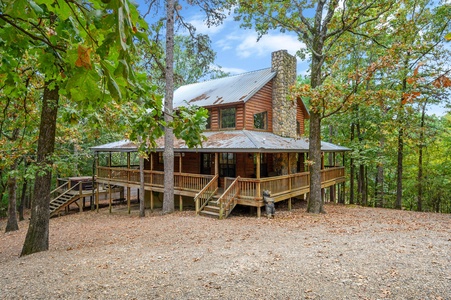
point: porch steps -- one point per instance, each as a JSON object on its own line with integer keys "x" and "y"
{"x": 212, "y": 208}
{"x": 61, "y": 202}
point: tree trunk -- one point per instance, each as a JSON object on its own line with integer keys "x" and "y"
{"x": 37, "y": 238}
{"x": 12, "y": 225}
{"x": 23, "y": 195}
{"x": 352, "y": 170}
{"x": 315, "y": 204}
{"x": 168, "y": 155}
{"x": 420, "y": 161}
{"x": 398, "y": 204}
{"x": 380, "y": 177}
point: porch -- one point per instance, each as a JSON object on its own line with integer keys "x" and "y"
{"x": 205, "y": 192}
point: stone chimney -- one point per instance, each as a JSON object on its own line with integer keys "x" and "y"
{"x": 284, "y": 110}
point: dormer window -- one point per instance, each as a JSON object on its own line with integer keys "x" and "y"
{"x": 261, "y": 120}
{"x": 228, "y": 117}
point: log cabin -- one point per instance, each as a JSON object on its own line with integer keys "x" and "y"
{"x": 254, "y": 142}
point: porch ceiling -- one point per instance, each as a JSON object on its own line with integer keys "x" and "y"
{"x": 231, "y": 141}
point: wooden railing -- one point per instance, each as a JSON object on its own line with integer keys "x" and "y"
{"x": 332, "y": 174}
{"x": 182, "y": 181}
{"x": 251, "y": 188}
{"x": 228, "y": 199}
{"x": 248, "y": 188}
{"x": 201, "y": 199}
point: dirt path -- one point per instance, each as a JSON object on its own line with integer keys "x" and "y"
{"x": 348, "y": 253}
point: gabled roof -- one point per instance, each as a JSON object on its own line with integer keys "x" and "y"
{"x": 232, "y": 89}
{"x": 233, "y": 141}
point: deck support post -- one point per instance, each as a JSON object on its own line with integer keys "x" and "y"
{"x": 109, "y": 193}
{"x": 289, "y": 203}
{"x": 180, "y": 203}
{"x": 151, "y": 201}
{"x": 128, "y": 199}
{"x": 259, "y": 212}
{"x": 80, "y": 193}
{"x": 97, "y": 196}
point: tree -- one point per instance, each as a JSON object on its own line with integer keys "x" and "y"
{"x": 84, "y": 52}
{"x": 186, "y": 123}
{"x": 321, "y": 33}
{"x": 168, "y": 155}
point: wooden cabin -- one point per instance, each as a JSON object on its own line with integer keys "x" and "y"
{"x": 255, "y": 142}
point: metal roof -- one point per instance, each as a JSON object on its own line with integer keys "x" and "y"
{"x": 119, "y": 146}
{"x": 232, "y": 89}
{"x": 232, "y": 141}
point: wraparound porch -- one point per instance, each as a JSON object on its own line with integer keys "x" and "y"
{"x": 204, "y": 188}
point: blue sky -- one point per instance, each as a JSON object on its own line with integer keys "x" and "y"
{"x": 237, "y": 49}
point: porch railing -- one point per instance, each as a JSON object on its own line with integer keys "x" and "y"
{"x": 201, "y": 199}
{"x": 182, "y": 181}
{"x": 228, "y": 199}
{"x": 251, "y": 188}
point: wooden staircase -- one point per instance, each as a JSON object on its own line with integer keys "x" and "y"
{"x": 212, "y": 208}
{"x": 66, "y": 198}
{"x": 221, "y": 205}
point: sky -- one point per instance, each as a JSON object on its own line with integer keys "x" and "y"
{"x": 238, "y": 51}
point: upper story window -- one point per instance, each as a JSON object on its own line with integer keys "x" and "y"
{"x": 261, "y": 120}
{"x": 228, "y": 117}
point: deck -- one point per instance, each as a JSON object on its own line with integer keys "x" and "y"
{"x": 243, "y": 191}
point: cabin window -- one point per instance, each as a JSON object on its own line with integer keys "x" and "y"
{"x": 228, "y": 117}
{"x": 160, "y": 158}
{"x": 227, "y": 164}
{"x": 261, "y": 120}
{"x": 208, "y": 125}
{"x": 298, "y": 127}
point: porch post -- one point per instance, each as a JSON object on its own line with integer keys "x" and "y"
{"x": 216, "y": 163}
{"x": 180, "y": 163}
{"x": 258, "y": 183}
{"x": 109, "y": 192}
{"x": 128, "y": 181}
{"x": 289, "y": 180}
{"x": 180, "y": 171}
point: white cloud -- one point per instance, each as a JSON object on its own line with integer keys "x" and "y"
{"x": 246, "y": 45}
{"x": 233, "y": 71}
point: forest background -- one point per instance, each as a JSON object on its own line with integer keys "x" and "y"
{"x": 379, "y": 77}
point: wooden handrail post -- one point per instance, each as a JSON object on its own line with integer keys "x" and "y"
{"x": 80, "y": 193}
{"x": 197, "y": 205}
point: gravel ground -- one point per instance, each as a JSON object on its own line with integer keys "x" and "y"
{"x": 348, "y": 253}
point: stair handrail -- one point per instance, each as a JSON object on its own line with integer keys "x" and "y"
{"x": 67, "y": 191}
{"x": 211, "y": 188}
{"x": 227, "y": 199}
{"x": 59, "y": 187}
